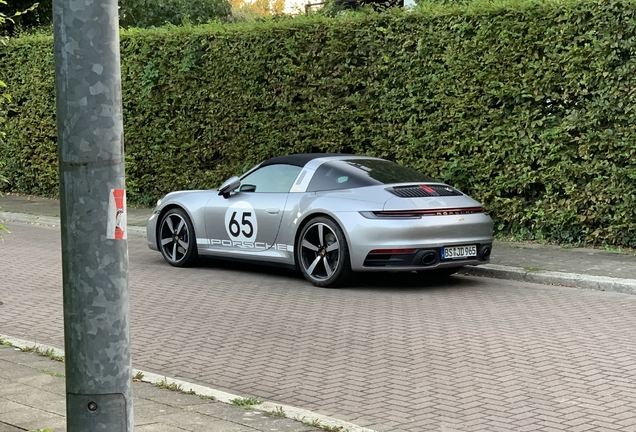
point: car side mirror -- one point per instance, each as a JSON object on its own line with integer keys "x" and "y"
{"x": 247, "y": 188}
{"x": 229, "y": 185}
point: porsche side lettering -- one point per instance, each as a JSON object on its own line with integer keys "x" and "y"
{"x": 251, "y": 245}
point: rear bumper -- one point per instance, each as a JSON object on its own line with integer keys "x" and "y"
{"x": 425, "y": 234}
{"x": 423, "y": 259}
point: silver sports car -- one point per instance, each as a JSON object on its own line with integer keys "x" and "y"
{"x": 327, "y": 215}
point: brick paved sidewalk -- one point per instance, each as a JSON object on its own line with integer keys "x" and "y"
{"x": 32, "y": 397}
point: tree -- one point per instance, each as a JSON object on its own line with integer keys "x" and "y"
{"x": 257, "y": 8}
{"x": 4, "y": 96}
{"x": 149, "y": 13}
{"x": 41, "y": 15}
{"x": 2, "y": 228}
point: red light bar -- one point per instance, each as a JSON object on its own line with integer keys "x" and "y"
{"x": 391, "y": 251}
{"x": 429, "y": 190}
{"x": 431, "y": 212}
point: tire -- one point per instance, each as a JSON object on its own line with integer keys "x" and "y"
{"x": 176, "y": 238}
{"x": 322, "y": 253}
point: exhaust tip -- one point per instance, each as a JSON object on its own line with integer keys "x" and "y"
{"x": 429, "y": 258}
{"x": 485, "y": 253}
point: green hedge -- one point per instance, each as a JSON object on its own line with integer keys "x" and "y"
{"x": 530, "y": 107}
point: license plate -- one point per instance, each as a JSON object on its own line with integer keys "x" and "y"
{"x": 457, "y": 252}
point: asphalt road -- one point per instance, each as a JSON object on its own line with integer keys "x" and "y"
{"x": 392, "y": 353}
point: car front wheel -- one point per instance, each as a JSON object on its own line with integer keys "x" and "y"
{"x": 177, "y": 241}
{"x": 323, "y": 253}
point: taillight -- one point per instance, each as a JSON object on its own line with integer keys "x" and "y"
{"x": 416, "y": 214}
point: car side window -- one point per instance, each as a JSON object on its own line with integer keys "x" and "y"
{"x": 336, "y": 177}
{"x": 271, "y": 178}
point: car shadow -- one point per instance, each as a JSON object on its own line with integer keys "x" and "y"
{"x": 253, "y": 267}
{"x": 409, "y": 281}
{"x": 365, "y": 281}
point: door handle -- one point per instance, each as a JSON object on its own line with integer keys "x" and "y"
{"x": 272, "y": 211}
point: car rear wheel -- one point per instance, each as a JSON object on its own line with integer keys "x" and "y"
{"x": 323, "y": 254}
{"x": 177, "y": 241}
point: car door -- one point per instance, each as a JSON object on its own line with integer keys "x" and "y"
{"x": 248, "y": 220}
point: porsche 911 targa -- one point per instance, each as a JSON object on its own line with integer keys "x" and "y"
{"x": 327, "y": 215}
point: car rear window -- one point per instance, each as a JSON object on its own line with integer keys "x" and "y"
{"x": 355, "y": 173}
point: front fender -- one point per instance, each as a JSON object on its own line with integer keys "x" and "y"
{"x": 192, "y": 202}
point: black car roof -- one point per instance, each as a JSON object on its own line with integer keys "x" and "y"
{"x": 299, "y": 159}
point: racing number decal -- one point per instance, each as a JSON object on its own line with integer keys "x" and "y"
{"x": 235, "y": 228}
{"x": 240, "y": 222}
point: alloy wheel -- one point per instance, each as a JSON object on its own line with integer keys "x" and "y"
{"x": 320, "y": 251}
{"x": 174, "y": 238}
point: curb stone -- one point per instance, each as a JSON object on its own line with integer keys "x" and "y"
{"x": 597, "y": 283}
{"x": 53, "y": 221}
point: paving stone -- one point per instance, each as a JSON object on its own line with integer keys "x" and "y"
{"x": 11, "y": 388}
{"x": 201, "y": 423}
{"x": 7, "y": 405}
{"x": 222, "y": 411}
{"x": 55, "y": 424}
{"x": 7, "y": 351}
{"x": 33, "y": 359}
{"x": 9, "y": 428}
{"x": 14, "y": 371}
{"x": 152, "y": 412}
{"x": 29, "y": 418}
{"x": 35, "y": 397}
{"x": 42, "y": 380}
{"x": 158, "y": 427}
{"x": 177, "y": 399}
